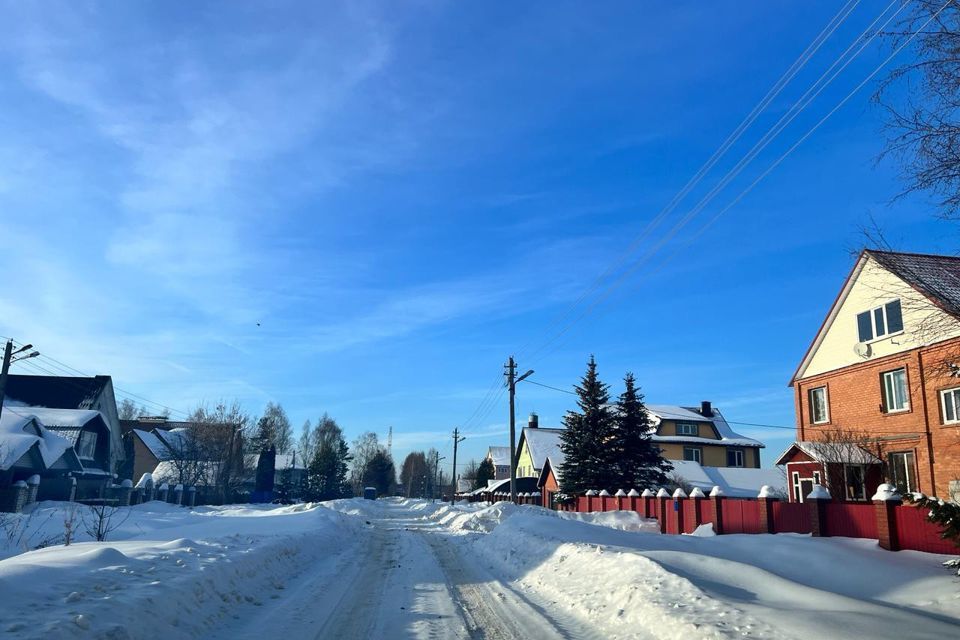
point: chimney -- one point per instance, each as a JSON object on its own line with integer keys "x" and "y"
{"x": 706, "y": 409}
{"x": 533, "y": 421}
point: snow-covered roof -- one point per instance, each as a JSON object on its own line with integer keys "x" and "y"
{"x": 831, "y": 452}
{"x": 555, "y": 463}
{"x": 174, "y": 439}
{"x": 153, "y": 443}
{"x": 660, "y": 412}
{"x": 500, "y": 456}
{"x": 201, "y": 473}
{"x": 736, "y": 482}
{"x": 21, "y": 431}
{"x": 282, "y": 461}
{"x": 64, "y": 417}
{"x": 543, "y": 443}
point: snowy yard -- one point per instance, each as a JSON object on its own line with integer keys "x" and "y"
{"x": 411, "y": 569}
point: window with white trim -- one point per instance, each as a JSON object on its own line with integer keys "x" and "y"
{"x": 880, "y": 321}
{"x": 688, "y": 429}
{"x": 693, "y": 454}
{"x": 819, "y": 409}
{"x": 950, "y": 401}
{"x": 734, "y": 457}
{"x": 87, "y": 445}
{"x": 896, "y": 397}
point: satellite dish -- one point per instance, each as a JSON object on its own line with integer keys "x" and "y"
{"x": 862, "y": 349}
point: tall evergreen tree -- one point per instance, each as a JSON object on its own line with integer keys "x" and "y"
{"x": 327, "y": 471}
{"x": 638, "y": 462}
{"x": 380, "y": 472}
{"x": 588, "y": 459}
{"x": 485, "y": 471}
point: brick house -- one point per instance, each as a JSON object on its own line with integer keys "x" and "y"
{"x": 877, "y": 394}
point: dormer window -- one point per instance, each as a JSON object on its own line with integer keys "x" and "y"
{"x": 881, "y": 321}
{"x": 688, "y": 429}
{"x": 87, "y": 445}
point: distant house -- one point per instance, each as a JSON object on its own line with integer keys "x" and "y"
{"x": 535, "y": 446}
{"x": 71, "y": 392}
{"x": 500, "y": 458}
{"x": 143, "y": 447}
{"x": 288, "y": 467}
{"x": 702, "y": 435}
{"x": 881, "y": 376}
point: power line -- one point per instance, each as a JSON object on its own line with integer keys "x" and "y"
{"x": 717, "y": 155}
{"x": 805, "y": 100}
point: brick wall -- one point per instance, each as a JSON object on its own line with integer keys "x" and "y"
{"x": 855, "y": 398}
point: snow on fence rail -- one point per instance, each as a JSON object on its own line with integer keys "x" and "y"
{"x": 894, "y": 524}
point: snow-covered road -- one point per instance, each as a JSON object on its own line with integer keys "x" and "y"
{"x": 411, "y": 569}
{"x": 401, "y": 577}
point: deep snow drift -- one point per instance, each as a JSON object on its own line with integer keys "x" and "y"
{"x": 407, "y": 568}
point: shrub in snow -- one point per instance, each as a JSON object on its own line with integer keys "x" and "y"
{"x": 819, "y": 492}
{"x": 945, "y": 514}
{"x": 697, "y": 493}
{"x": 716, "y": 492}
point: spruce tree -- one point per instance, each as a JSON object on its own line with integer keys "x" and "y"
{"x": 327, "y": 471}
{"x": 588, "y": 460}
{"x": 485, "y": 471}
{"x": 638, "y": 462}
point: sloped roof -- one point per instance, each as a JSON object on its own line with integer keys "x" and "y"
{"x": 499, "y": 455}
{"x": 153, "y": 443}
{"x": 736, "y": 482}
{"x": 848, "y": 452}
{"x": 937, "y": 277}
{"x": 20, "y": 431}
{"x": 67, "y": 418}
{"x": 59, "y": 392}
{"x": 282, "y": 461}
{"x": 543, "y": 442}
{"x": 555, "y": 464}
{"x": 727, "y": 435}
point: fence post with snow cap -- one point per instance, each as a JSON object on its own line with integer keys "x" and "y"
{"x": 191, "y": 496}
{"x": 716, "y": 498}
{"x": 146, "y": 487}
{"x": 696, "y": 498}
{"x": 604, "y": 499}
{"x": 620, "y": 495}
{"x": 33, "y": 484}
{"x": 818, "y": 499}
{"x": 590, "y": 496}
{"x": 648, "y": 498}
{"x": 885, "y": 501}
{"x": 633, "y": 496}
{"x": 765, "y": 500}
{"x": 162, "y": 492}
{"x": 679, "y": 496}
{"x": 123, "y": 492}
{"x": 662, "y": 497}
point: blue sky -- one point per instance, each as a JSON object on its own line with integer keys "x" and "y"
{"x": 364, "y": 208}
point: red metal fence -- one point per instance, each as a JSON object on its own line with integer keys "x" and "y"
{"x": 895, "y": 525}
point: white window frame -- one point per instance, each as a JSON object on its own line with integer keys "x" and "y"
{"x": 812, "y": 404}
{"x": 909, "y": 470}
{"x": 950, "y": 399}
{"x": 698, "y": 457}
{"x": 82, "y": 446}
{"x": 889, "y": 387}
{"x": 684, "y": 427}
{"x": 737, "y": 453}
{"x": 886, "y": 321}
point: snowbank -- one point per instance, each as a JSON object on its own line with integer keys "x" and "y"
{"x": 168, "y": 572}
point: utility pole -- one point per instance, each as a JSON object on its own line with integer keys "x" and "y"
{"x": 8, "y": 359}
{"x": 457, "y": 439}
{"x": 512, "y": 381}
{"x": 436, "y": 471}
